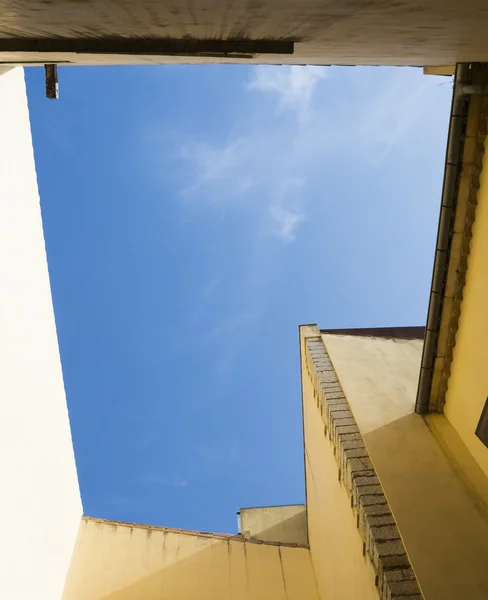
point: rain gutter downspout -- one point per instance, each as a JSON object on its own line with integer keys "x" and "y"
{"x": 453, "y": 164}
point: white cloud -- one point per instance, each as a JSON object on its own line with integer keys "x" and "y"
{"x": 276, "y": 167}
{"x": 266, "y": 164}
{"x": 217, "y": 172}
{"x": 294, "y": 85}
{"x": 286, "y": 222}
{"x": 250, "y": 173}
{"x": 284, "y": 211}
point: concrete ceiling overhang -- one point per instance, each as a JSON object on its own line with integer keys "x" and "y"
{"x": 343, "y": 32}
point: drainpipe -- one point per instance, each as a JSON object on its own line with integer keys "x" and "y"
{"x": 454, "y": 156}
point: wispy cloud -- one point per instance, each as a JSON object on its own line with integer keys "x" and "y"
{"x": 360, "y": 118}
{"x": 285, "y": 208}
{"x": 249, "y": 173}
{"x": 275, "y": 162}
{"x": 293, "y": 85}
{"x": 286, "y": 222}
{"x": 212, "y": 165}
{"x": 391, "y": 111}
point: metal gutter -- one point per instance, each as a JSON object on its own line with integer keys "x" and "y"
{"x": 454, "y": 155}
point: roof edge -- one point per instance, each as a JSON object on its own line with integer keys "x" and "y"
{"x": 302, "y": 504}
{"x": 400, "y": 333}
{"x": 205, "y": 534}
{"x": 465, "y": 147}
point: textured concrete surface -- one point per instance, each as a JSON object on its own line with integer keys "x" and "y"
{"x": 399, "y": 32}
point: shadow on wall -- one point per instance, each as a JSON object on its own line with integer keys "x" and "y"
{"x": 292, "y": 530}
{"x": 192, "y": 577}
{"x": 282, "y": 523}
{"x": 441, "y": 520}
{"x": 117, "y": 562}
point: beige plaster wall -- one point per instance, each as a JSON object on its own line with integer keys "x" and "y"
{"x": 39, "y": 500}
{"x": 275, "y": 523}
{"x": 121, "y": 562}
{"x": 342, "y": 572}
{"x": 468, "y": 382}
{"x": 378, "y": 375}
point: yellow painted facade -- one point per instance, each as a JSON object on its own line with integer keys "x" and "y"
{"x": 123, "y": 562}
{"x": 275, "y": 523}
{"x": 436, "y": 491}
{"x": 342, "y": 571}
{"x": 439, "y": 518}
{"x": 378, "y": 375}
{"x": 468, "y": 383}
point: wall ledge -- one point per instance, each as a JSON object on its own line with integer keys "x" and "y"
{"x": 204, "y": 534}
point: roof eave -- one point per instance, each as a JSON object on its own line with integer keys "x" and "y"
{"x": 465, "y": 147}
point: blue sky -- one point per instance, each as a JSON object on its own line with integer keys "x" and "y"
{"x": 194, "y": 217}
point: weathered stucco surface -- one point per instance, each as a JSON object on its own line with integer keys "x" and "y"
{"x": 404, "y": 32}
{"x": 275, "y": 523}
{"x": 114, "y": 561}
{"x": 40, "y": 501}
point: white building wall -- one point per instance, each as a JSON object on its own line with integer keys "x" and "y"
{"x": 39, "y": 499}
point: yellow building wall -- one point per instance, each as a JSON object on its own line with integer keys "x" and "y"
{"x": 468, "y": 382}
{"x": 443, "y": 529}
{"x": 420, "y": 465}
{"x": 378, "y": 375}
{"x": 275, "y": 523}
{"x": 342, "y": 572}
{"x": 123, "y": 562}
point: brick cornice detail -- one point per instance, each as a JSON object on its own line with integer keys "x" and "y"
{"x": 395, "y": 578}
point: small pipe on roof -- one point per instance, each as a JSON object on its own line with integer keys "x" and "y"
{"x": 457, "y": 125}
